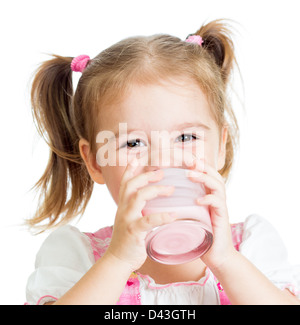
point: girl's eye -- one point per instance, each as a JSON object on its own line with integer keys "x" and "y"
{"x": 135, "y": 143}
{"x": 186, "y": 138}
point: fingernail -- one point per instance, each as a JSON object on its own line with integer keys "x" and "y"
{"x": 155, "y": 176}
{"x": 168, "y": 189}
{"x": 193, "y": 174}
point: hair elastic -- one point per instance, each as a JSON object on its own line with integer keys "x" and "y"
{"x": 79, "y": 63}
{"x": 194, "y": 39}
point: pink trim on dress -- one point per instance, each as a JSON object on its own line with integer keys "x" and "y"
{"x": 46, "y": 296}
{"x": 291, "y": 288}
{"x": 52, "y": 299}
{"x": 175, "y": 284}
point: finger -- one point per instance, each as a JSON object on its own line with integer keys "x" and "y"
{"x": 140, "y": 197}
{"x": 202, "y": 165}
{"x": 129, "y": 170}
{"x": 148, "y": 222}
{"x": 215, "y": 203}
{"x": 133, "y": 184}
{"x": 209, "y": 181}
{"x": 211, "y": 200}
{"x": 197, "y": 164}
{"x": 216, "y": 206}
{"x": 210, "y": 170}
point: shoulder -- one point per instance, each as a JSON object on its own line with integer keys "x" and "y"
{"x": 260, "y": 235}
{"x": 262, "y": 244}
{"x": 256, "y": 223}
{"x": 259, "y": 232}
{"x": 63, "y": 246}
{"x": 63, "y": 258}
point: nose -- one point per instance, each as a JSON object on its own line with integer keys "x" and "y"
{"x": 152, "y": 160}
{"x": 166, "y": 157}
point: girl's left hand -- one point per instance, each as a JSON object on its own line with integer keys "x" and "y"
{"x": 222, "y": 247}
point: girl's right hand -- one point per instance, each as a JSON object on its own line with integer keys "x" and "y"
{"x": 130, "y": 227}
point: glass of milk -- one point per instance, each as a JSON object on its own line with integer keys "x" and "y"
{"x": 190, "y": 235}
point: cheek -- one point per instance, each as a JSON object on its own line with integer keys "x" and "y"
{"x": 113, "y": 177}
{"x": 211, "y": 152}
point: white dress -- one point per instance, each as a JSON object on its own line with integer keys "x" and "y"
{"x": 67, "y": 254}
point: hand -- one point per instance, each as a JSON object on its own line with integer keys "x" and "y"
{"x": 130, "y": 227}
{"x": 222, "y": 246}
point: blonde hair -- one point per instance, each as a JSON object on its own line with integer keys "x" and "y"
{"x": 63, "y": 118}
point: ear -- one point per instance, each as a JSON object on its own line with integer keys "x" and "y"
{"x": 90, "y": 162}
{"x": 222, "y": 147}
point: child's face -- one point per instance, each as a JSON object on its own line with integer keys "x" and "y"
{"x": 158, "y": 118}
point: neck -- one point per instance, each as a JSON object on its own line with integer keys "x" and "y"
{"x": 164, "y": 274}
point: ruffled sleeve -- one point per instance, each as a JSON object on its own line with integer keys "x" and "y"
{"x": 262, "y": 245}
{"x": 64, "y": 257}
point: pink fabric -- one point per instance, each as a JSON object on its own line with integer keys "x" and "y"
{"x": 79, "y": 63}
{"x": 131, "y": 296}
{"x": 100, "y": 241}
{"x": 41, "y": 300}
{"x": 237, "y": 233}
{"x": 131, "y": 293}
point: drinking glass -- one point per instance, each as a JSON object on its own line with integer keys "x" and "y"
{"x": 190, "y": 235}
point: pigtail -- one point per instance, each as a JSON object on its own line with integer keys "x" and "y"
{"x": 51, "y": 99}
{"x": 217, "y": 42}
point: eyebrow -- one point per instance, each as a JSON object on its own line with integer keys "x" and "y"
{"x": 201, "y": 125}
{"x": 179, "y": 126}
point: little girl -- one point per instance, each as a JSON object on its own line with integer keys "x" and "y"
{"x": 156, "y": 83}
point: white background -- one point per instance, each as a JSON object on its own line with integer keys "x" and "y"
{"x": 266, "y": 174}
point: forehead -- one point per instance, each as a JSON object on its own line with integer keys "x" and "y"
{"x": 158, "y": 107}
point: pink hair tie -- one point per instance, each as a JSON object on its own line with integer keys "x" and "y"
{"x": 195, "y": 39}
{"x": 79, "y": 63}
